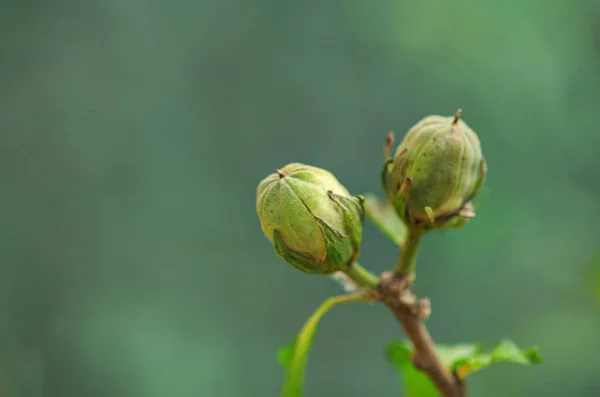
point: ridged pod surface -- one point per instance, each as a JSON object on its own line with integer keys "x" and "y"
{"x": 311, "y": 219}
{"x": 437, "y": 169}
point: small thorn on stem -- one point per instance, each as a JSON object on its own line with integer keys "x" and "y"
{"x": 456, "y": 116}
{"x": 280, "y": 173}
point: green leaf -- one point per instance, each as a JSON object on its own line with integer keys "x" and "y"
{"x": 293, "y": 357}
{"x": 383, "y": 215}
{"x": 505, "y": 351}
{"x": 593, "y": 276}
{"x": 415, "y": 382}
{"x": 284, "y": 354}
{"x": 462, "y": 359}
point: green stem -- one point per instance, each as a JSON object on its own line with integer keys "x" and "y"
{"x": 299, "y": 350}
{"x": 408, "y": 257}
{"x": 362, "y": 277}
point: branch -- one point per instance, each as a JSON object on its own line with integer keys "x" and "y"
{"x": 393, "y": 289}
{"x": 409, "y": 311}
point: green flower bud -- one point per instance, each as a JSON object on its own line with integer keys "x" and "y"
{"x": 437, "y": 170}
{"x": 310, "y": 218}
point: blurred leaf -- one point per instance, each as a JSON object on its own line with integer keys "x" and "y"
{"x": 505, "y": 351}
{"x": 383, "y": 215}
{"x": 415, "y": 382}
{"x": 593, "y": 276}
{"x": 294, "y": 356}
{"x": 284, "y": 354}
{"x": 462, "y": 359}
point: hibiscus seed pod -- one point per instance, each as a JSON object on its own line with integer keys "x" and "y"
{"x": 437, "y": 170}
{"x": 310, "y": 218}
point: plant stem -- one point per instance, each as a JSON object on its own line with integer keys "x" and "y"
{"x": 408, "y": 257}
{"x": 362, "y": 277}
{"x": 425, "y": 357}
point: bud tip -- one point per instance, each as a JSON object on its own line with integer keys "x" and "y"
{"x": 389, "y": 139}
{"x": 280, "y": 173}
{"x": 456, "y": 116}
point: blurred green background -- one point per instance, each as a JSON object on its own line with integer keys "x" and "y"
{"x": 133, "y": 135}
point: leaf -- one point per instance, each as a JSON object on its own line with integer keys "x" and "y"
{"x": 463, "y": 359}
{"x": 415, "y": 382}
{"x": 293, "y": 357}
{"x": 505, "y": 351}
{"x": 384, "y": 217}
{"x": 284, "y": 354}
{"x": 593, "y": 276}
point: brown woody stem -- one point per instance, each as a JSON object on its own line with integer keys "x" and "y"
{"x": 393, "y": 290}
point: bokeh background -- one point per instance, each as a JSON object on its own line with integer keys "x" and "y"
{"x": 133, "y": 135}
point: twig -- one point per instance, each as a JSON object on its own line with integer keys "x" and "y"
{"x": 393, "y": 289}
{"x": 409, "y": 311}
{"x": 395, "y": 293}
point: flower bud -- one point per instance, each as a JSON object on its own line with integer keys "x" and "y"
{"x": 437, "y": 170}
{"x": 310, "y": 218}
